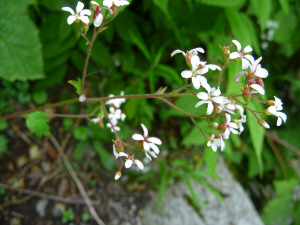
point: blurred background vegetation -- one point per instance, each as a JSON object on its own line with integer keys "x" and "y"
{"x": 40, "y": 52}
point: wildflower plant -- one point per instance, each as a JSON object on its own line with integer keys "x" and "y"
{"x": 224, "y": 113}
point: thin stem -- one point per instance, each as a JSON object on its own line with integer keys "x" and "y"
{"x": 82, "y": 34}
{"x": 77, "y": 182}
{"x": 197, "y": 125}
{"x": 252, "y": 111}
{"x": 254, "y": 97}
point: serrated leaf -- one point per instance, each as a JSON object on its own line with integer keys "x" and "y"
{"x": 257, "y": 133}
{"x": 37, "y": 123}
{"x": 76, "y": 84}
{"x": 20, "y": 47}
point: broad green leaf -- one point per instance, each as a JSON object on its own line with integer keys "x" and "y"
{"x": 20, "y": 47}
{"x": 3, "y": 144}
{"x": 243, "y": 29}
{"x": 80, "y": 149}
{"x": 163, "y": 5}
{"x": 106, "y": 159}
{"x": 194, "y": 137}
{"x": 76, "y": 84}
{"x": 285, "y": 5}
{"x": 222, "y": 3}
{"x": 263, "y": 11}
{"x": 37, "y": 123}
{"x": 257, "y": 133}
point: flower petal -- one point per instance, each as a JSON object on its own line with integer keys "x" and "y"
{"x": 237, "y": 44}
{"x": 155, "y": 140}
{"x": 154, "y": 148}
{"x": 234, "y": 55}
{"x": 85, "y": 12}
{"x": 138, "y": 137}
{"x": 128, "y": 163}
{"x": 202, "y": 95}
{"x": 258, "y": 88}
{"x": 108, "y": 3}
{"x": 210, "y": 108}
{"x": 146, "y": 146}
{"x": 247, "y": 49}
{"x": 68, "y": 9}
{"x": 139, "y": 164}
{"x": 200, "y": 103}
{"x": 79, "y": 7}
{"x": 84, "y": 19}
{"x": 71, "y": 19}
{"x": 186, "y": 74}
{"x": 196, "y": 83}
{"x": 145, "y": 130}
{"x": 261, "y": 72}
{"x": 237, "y": 77}
{"x": 176, "y": 52}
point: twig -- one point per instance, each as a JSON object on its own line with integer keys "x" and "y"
{"x": 283, "y": 143}
{"x": 78, "y": 183}
{"x": 43, "y": 195}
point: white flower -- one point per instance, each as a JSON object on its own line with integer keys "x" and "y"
{"x": 194, "y": 74}
{"x": 131, "y": 160}
{"x": 110, "y": 3}
{"x": 149, "y": 143}
{"x": 98, "y": 17}
{"x": 81, "y": 14}
{"x": 212, "y": 96}
{"x": 113, "y": 126}
{"x": 275, "y": 110}
{"x": 191, "y": 52}
{"x": 117, "y": 102}
{"x": 97, "y": 119}
{"x": 115, "y": 115}
{"x": 246, "y": 59}
{"x": 229, "y": 127}
{"x": 216, "y": 143}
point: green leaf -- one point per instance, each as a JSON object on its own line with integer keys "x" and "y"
{"x": 194, "y": 137}
{"x": 3, "y": 144}
{"x": 39, "y": 97}
{"x": 3, "y": 124}
{"x": 21, "y": 55}
{"x": 37, "y": 123}
{"x": 222, "y": 3}
{"x": 81, "y": 133}
{"x": 257, "y": 133}
{"x": 263, "y": 11}
{"x": 85, "y": 217}
{"x": 163, "y": 5}
{"x": 76, "y": 84}
{"x": 211, "y": 160}
{"x": 285, "y": 5}
{"x": 80, "y": 149}
{"x": 106, "y": 159}
{"x": 243, "y": 29}
{"x": 232, "y": 85}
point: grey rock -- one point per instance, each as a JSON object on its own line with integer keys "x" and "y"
{"x": 236, "y": 209}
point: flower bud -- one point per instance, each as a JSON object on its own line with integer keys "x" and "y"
{"x": 270, "y": 102}
{"x": 263, "y": 123}
{"x": 246, "y": 94}
{"x": 118, "y": 174}
{"x": 226, "y": 52}
{"x": 215, "y": 125}
{"x": 118, "y": 145}
{"x": 82, "y": 98}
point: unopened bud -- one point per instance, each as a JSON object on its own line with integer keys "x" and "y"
{"x": 226, "y": 52}
{"x": 82, "y": 98}
{"x": 263, "y": 123}
{"x": 246, "y": 94}
{"x": 215, "y": 125}
{"x": 270, "y": 102}
{"x": 118, "y": 174}
{"x": 118, "y": 145}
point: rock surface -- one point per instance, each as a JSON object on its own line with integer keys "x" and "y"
{"x": 237, "y": 208}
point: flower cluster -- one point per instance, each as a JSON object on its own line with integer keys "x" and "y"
{"x": 115, "y": 113}
{"x": 224, "y": 107}
{"x": 82, "y": 15}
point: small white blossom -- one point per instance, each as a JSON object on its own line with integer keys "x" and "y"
{"x": 213, "y": 96}
{"x": 216, "y": 143}
{"x": 82, "y": 98}
{"x": 81, "y": 14}
{"x": 115, "y": 115}
{"x": 113, "y": 127}
{"x": 190, "y": 53}
{"x": 130, "y": 160}
{"x": 242, "y": 54}
{"x": 110, "y": 3}
{"x": 275, "y": 110}
{"x": 149, "y": 143}
{"x": 117, "y": 102}
{"x": 229, "y": 127}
